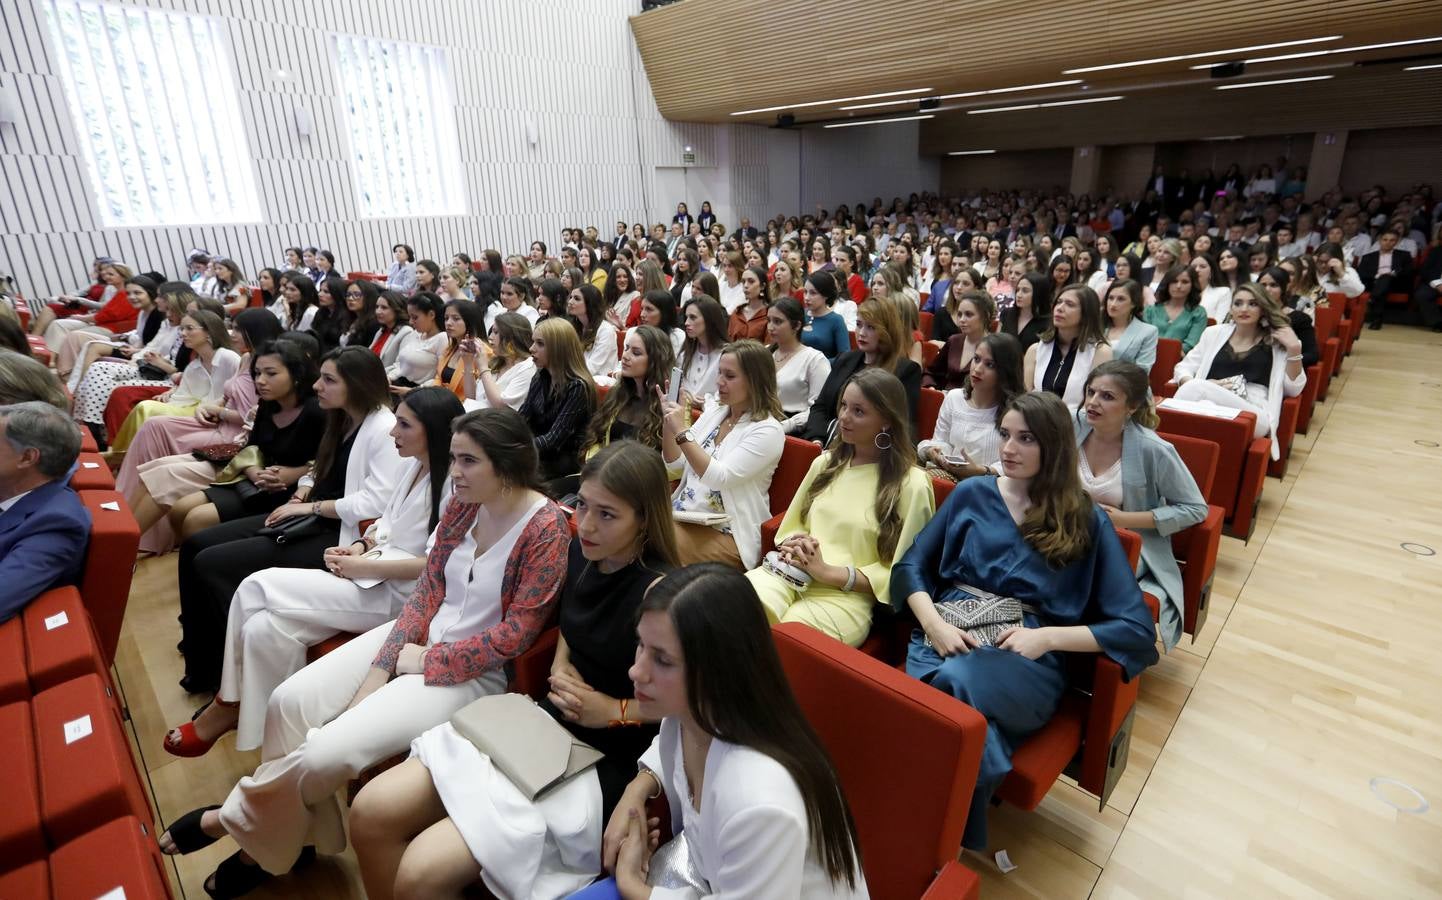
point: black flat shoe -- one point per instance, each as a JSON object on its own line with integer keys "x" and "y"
{"x": 185, "y": 832}
{"x": 235, "y": 877}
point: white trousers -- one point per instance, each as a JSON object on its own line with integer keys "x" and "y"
{"x": 56, "y": 332}
{"x": 275, "y": 616}
{"x": 313, "y": 745}
{"x": 1202, "y": 389}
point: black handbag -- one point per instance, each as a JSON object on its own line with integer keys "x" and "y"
{"x": 294, "y": 529}
{"x": 151, "y": 373}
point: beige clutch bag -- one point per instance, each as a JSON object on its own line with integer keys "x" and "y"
{"x": 527, "y": 745}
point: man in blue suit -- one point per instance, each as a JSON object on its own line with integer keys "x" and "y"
{"x": 44, "y": 528}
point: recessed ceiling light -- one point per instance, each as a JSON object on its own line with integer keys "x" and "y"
{"x": 1225, "y": 137}
{"x": 970, "y": 152}
{"x": 1012, "y": 90}
{"x": 879, "y": 121}
{"x": 1286, "y": 56}
{"x": 1252, "y": 84}
{"x": 1422, "y": 68}
{"x": 1186, "y": 56}
{"x": 1079, "y": 102}
{"x": 748, "y": 112}
{"x": 996, "y": 109}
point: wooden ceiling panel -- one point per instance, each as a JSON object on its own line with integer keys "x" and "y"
{"x": 707, "y": 60}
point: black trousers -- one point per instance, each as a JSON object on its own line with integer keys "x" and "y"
{"x": 213, "y": 563}
{"x": 1426, "y": 299}
{"x": 1377, "y": 305}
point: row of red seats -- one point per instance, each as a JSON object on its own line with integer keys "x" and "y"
{"x": 77, "y": 822}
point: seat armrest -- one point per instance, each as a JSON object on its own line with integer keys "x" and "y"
{"x": 530, "y": 674}
{"x": 954, "y": 882}
{"x": 1196, "y": 549}
{"x": 1107, "y": 738}
{"x": 768, "y": 532}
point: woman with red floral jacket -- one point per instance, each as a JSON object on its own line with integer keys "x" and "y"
{"x": 491, "y": 583}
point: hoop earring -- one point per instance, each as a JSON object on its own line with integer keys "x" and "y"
{"x": 506, "y": 490}
{"x": 876, "y": 441}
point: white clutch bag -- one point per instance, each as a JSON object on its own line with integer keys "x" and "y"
{"x": 528, "y": 746}
{"x": 700, "y": 518}
{"x": 388, "y": 552}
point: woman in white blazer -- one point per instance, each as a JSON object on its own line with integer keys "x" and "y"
{"x": 277, "y": 614}
{"x": 1249, "y": 363}
{"x": 744, "y": 814}
{"x": 726, "y": 458}
{"x": 355, "y": 473}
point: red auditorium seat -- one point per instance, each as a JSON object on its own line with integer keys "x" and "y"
{"x": 928, "y": 407}
{"x": 109, "y": 565}
{"x": 926, "y": 321}
{"x": 60, "y": 641}
{"x": 796, "y": 458}
{"x": 1241, "y": 462}
{"x": 38, "y": 348}
{"x": 257, "y": 298}
{"x": 1169, "y": 353}
{"x": 620, "y": 342}
{"x": 30, "y": 881}
{"x": 120, "y": 855}
{"x": 1196, "y": 548}
{"x": 87, "y": 442}
{"x": 909, "y": 823}
{"x": 14, "y": 680}
{"x": 22, "y": 836}
{"x": 86, "y": 772}
{"x": 929, "y": 353}
{"x": 92, "y": 474}
{"x": 1286, "y": 431}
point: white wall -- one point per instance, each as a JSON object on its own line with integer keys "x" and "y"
{"x": 569, "y": 66}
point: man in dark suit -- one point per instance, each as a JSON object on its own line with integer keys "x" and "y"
{"x": 1380, "y": 270}
{"x": 745, "y": 231}
{"x": 44, "y": 528}
{"x": 621, "y": 237}
{"x": 1063, "y": 227}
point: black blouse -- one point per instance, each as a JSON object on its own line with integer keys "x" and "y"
{"x": 289, "y": 445}
{"x": 558, "y": 423}
{"x": 331, "y": 485}
{"x": 598, "y": 620}
{"x": 1254, "y": 365}
{"x": 823, "y": 411}
{"x": 1028, "y": 335}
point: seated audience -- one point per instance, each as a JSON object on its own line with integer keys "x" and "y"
{"x": 1132, "y": 339}
{"x": 24, "y": 378}
{"x": 298, "y": 302}
{"x": 801, "y": 371}
{"x": 945, "y": 312}
{"x": 163, "y": 356}
{"x": 402, "y": 274}
{"x": 83, "y": 346}
{"x": 965, "y": 442}
{"x": 725, "y": 460}
{"x": 1178, "y": 313}
{"x": 693, "y": 627}
{"x": 975, "y": 319}
{"x": 632, "y": 405}
{"x": 1337, "y": 276}
{"x": 114, "y": 314}
{"x": 1249, "y": 363}
{"x": 464, "y": 324}
{"x": 1429, "y": 283}
{"x": 355, "y": 472}
{"x": 624, "y": 546}
{"x": 361, "y": 299}
{"x": 1216, "y": 298}
{"x": 518, "y": 295}
{"x": 560, "y": 401}
{"x": 1071, "y": 580}
{"x": 1381, "y": 271}
{"x": 880, "y": 342}
{"x": 748, "y": 320}
{"x": 417, "y": 359}
{"x": 44, "y": 528}
{"x": 393, "y": 335}
{"x": 825, "y": 328}
{"x": 333, "y": 318}
{"x": 491, "y": 583}
{"x": 499, "y": 371}
{"x": 1138, "y": 479}
{"x": 278, "y": 613}
{"x": 1030, "y": 314}
{"x": 212, "y": 365}
{"x": 598, "y": 337}
{"x": 1277, "y": 283}
{"x": 1074, "y": 343}
{"x": 705, "y": 323}
{"x": 870, "y": 469}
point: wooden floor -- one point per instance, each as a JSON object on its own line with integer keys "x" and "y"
{"x": 1251, "y": 770}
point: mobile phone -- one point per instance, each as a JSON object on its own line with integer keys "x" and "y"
{"x": 673, "y": 387}
{"x": 955, "y": 460}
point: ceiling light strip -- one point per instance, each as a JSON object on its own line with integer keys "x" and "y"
{"x": 1083, "y": 101}
{"x": 1253, "y": 84}
{"x": 1364, "y": 47}
{"x": 767, "y": 109}
{"x": 1011, "y": 90}
{"x": 1187, "y": 56}
{"x": 970, "y": 152}
{"x": 1423, "y": 68}
{"x": 879, "y": 121}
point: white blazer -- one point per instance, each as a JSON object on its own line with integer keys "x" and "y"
{"x": 371, "y": 474}
{"x": 405, "y": 524}
{"x": 741, "y": 470}
{"x": 751, "y": 837}
{"x": 404, "y": 338}
{"x": 602, "y": 358}
{"x": 1198, "y": 363}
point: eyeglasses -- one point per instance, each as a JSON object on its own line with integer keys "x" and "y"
{"x": 354, "y": 295}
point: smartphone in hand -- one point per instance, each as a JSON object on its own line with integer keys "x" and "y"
{"x": 673, "y": 387}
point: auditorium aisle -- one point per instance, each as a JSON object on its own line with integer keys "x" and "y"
{"x": 1254, "y": 748}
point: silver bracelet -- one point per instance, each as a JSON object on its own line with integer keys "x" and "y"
{"x": 850, "y": 578}
{"x": 1297, "y": 358}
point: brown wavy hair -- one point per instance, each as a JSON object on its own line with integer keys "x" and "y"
{"x": 1058, "y": 524}
{"x": 660, "y": 358}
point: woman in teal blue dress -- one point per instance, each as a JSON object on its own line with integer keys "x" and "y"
{"x": 1178, "y": 313}
{"x": 1034, "y": 535}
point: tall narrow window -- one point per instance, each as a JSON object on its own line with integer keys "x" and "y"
{"x": 153, "y": 98}
{"x": 401, "y": 123}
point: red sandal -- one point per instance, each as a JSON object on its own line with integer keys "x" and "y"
{"x": 189, "y": 745}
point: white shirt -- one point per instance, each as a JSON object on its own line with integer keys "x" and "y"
{"x": 799, "y": 382}
{"x": 965, "y": 429}
{"x": 513, "y": 384}
{"x": 699, "y": 379}
{"x": 6, "y": 504}
{"x": 1217, "y": 301}
{"x": 622, "y": 306}
{"x": 731, "y": 297}
{"x": 602, "y": 358}
{"x": 525, "y": 309}
{"x": 473, "y": 583}
{"x": 1105, "y": 488}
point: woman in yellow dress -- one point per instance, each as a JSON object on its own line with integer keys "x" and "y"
{"x": 857, "y": 511}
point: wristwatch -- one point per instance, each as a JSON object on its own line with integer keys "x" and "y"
{"x": 685, "y": 437}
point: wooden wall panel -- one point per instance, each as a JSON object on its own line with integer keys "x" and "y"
{"x": 1035, "y": 169}
{"x": 1246, "y": 152}
{"x": 1396, "y": 158}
